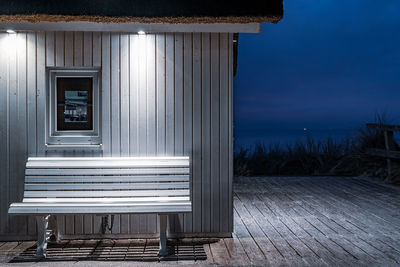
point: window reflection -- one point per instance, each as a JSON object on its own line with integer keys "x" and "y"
{"x": 75, "y": 106}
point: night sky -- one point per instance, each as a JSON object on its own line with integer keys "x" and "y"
{"x": 327, "y": 65}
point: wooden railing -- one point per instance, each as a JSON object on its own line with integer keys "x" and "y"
{"x": 389, "y": 152}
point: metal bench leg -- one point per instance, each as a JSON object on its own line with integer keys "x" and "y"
{"x": 58, "y": 227}
{"x": 42, "y": 223}
{"x": 54, "y": 235}
{"x": 163, "y": 235}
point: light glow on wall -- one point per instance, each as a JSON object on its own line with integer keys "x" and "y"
{"x": 141, "y": 33}
{"x": 11, "y": 43}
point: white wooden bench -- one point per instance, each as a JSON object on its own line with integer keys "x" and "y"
{"x": 103, "y": 186}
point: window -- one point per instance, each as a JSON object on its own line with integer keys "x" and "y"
{"x": 74, "y": 104}
{"x": 73, "y": 113}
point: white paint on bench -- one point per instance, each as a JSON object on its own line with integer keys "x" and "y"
{"x": 104, "y": 193}
{"x": 106, "y": 186}
{"x": 56, "y": 171}
{"x": 88, "y": 185}
{"x": 106, "y": 200}
{"x": 104, "y": 179}
{"x": 107, "y": 163}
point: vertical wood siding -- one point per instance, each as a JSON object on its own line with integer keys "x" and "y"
{"x": 161, "y": 94}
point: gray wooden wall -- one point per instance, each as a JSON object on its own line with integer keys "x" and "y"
{"x": 162, "y": 94}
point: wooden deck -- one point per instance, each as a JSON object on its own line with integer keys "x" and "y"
{"x": 285, "y": 221}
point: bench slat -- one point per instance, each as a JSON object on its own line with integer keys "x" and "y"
{"x": 107, "y": 164}
{"x": 105, "y": 200}
{"x": 105, "y": 209}
{"x": 109, "y": 186}
{"x": 31, "y": 159}
{"x": 103, "y": 179}
{"x": 78, "y": 205}
{"x": 139, "y": 171}
{"x": 139, "y": 193}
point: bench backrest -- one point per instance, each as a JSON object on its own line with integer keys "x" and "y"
{"x": 109, "y": 178}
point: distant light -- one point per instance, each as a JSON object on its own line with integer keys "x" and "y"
{"x": 141, "y": 32}
{"x": 305, "y": 129}
{"x": 10, "y": 31}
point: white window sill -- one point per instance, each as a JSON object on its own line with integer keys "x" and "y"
{"x": 74, "y": 147}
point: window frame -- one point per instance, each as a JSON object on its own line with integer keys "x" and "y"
{"x": 75, "y": 139}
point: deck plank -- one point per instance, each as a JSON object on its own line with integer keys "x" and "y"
{"x": 288, "y": 229}
{"x": 361, "y": 237}
{"x": 236, "y": 251}
{"x": 369, "y": 201}
{"x": 272, "y": 243}
{"x": 207, "y": 249}
{"x": 6, "y": 251}
{"x": 364, "y": 219}
{"x": 342, "y": 236}
{"x": 331, "y": 227}
{"x": 348, "y": 232}
{"x": 278, "y": 221}
{"x": 220, "y": 252}
{"x": 329, "y": 199}
{"x": 256, "y": 246}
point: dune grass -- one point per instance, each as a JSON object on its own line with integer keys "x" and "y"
{"x": 312, "y": 157}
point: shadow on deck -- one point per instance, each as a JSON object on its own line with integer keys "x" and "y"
{"x": 143, "y": 250}
{"x": 310, "y": 221}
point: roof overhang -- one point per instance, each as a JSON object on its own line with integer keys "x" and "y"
{"x": 130, "y": 27}
{"x": 139, "y": 15}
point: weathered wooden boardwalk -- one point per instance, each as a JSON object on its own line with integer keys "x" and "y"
{"x": 279, "y": 221}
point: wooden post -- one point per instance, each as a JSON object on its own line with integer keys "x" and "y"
{"x": 42, "y": 223}
{"x": 389, "y": 164}
{"x": 163, "y": 235}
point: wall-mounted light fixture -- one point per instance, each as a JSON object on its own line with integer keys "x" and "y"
{"x": 10, "y": 31}
{"x": 141, "y": 32}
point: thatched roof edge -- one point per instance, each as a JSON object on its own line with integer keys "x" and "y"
{"x": 34, "y": 18}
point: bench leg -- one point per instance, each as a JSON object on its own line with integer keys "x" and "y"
{"x": 163, "y": 235}
{"x": 54, "y": 229}
{"x": 42, "y": 223}
{"x": 58, "y": 227}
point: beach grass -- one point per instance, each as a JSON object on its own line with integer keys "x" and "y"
{"x": 328, "y": 156}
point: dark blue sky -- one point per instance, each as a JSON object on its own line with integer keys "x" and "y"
{"x": 325, "y": 65}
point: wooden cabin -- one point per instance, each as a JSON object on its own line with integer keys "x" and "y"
{"x": 160, "y": 83}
